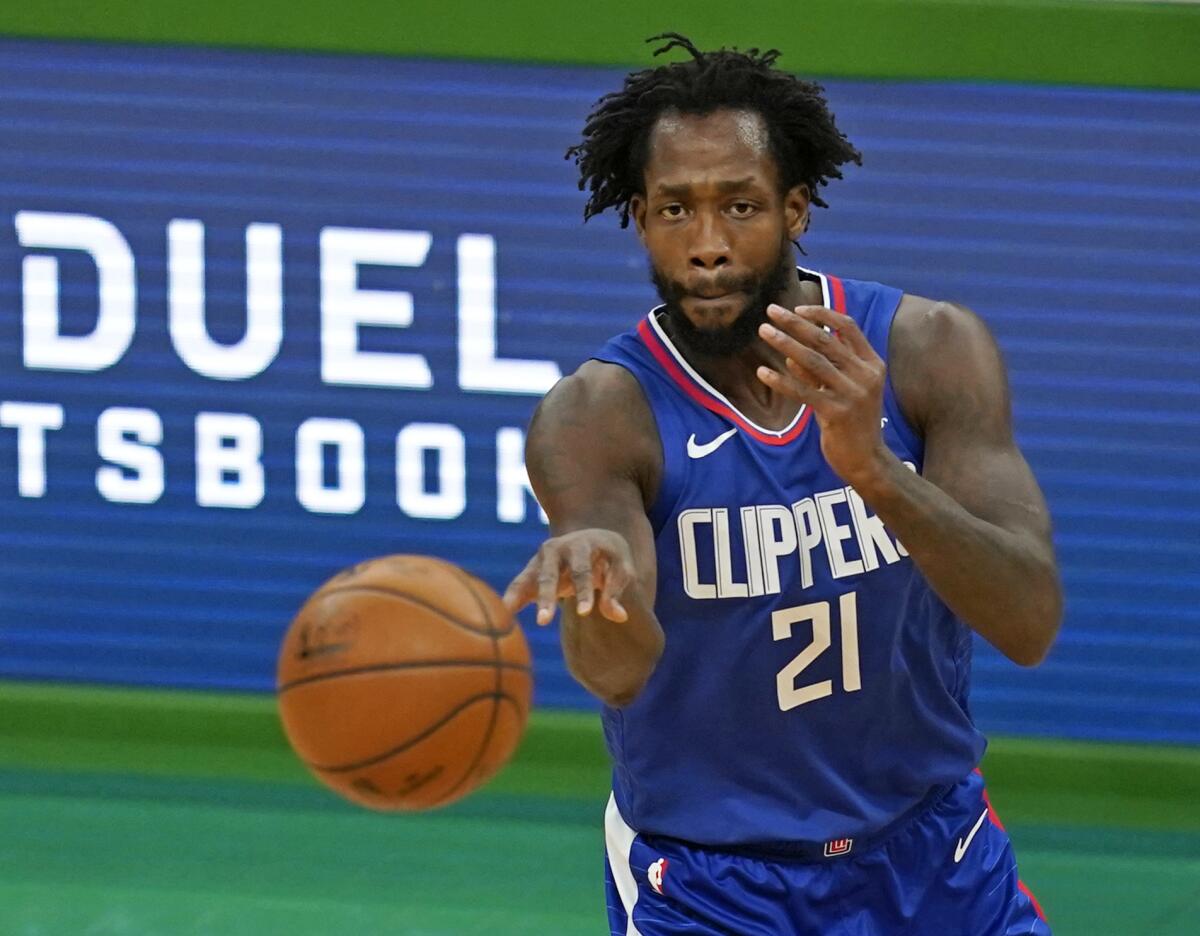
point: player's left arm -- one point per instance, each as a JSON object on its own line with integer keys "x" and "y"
{"x": 975, "y": 521}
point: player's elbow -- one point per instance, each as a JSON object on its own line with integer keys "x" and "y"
{"x": 616, "y": 670}
{"x": 616, "y": 688}
{"x": 1030, "y": 654}
{"x": 624, "y": 695}
{"x": 617, "y": 684}
{"x": 1043, "y": 622}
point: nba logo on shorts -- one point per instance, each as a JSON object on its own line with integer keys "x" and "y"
{"x": 838, "y": 847}
{"x": 655, "y": 873}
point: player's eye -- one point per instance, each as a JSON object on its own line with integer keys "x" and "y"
{"x": 742, "y": 209}
{"x": 674, "y": 210}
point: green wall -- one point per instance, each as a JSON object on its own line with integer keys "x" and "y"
{"x": 1061, "y": 41}
{"x": 182, "y": 734}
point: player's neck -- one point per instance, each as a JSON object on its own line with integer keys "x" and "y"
{"x": 734, "y": 375}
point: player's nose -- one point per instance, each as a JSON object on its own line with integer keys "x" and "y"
{"x": 709, "y": 249}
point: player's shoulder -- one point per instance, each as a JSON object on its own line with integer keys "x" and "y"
{"x": 594, "y": 389}
{"x": 597, "y": 422}
{"x": 937, "y": 349}
{"x": 931, "y": 335}
{"x": 924, "y": 324}
{"x": 602, "y": 403}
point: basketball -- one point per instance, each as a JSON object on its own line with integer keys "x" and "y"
{"x": 404, "y": 683}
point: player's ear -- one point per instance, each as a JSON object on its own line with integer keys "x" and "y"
{"x": 637, "y": 211}
{"x": 796, "y": 202}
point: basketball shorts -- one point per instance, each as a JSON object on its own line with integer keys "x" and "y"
{"x": 947, "y": 871}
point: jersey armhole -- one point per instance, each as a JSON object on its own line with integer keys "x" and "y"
{"x": 664, "y": 501}
{"x": 908, "y": 434}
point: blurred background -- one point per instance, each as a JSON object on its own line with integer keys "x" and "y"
{"x": 279, "y": 289}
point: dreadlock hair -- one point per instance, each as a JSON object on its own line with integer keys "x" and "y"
{"x": 807, "y": 146}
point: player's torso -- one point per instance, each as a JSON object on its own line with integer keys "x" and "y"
{"x": 812, "y": 686}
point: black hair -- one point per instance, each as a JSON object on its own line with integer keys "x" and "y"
{"x": 804, "y": 140}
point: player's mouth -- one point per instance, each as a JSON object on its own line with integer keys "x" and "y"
{"x": 712, "y": 302}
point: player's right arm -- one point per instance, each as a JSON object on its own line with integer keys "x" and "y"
{"x": 594, "y": 460}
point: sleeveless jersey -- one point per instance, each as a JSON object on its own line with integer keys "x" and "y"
{"x": 813, "y": 687}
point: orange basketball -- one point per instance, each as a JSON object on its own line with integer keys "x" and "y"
{"x": 404, "y": 683}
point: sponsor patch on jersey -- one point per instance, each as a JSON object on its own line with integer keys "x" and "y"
{"x": 836, "y": 847}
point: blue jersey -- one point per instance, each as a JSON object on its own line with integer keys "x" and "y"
{"x": 948, "y": 870}
{"x": 813, "y": 687}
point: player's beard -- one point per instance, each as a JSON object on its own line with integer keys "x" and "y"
{"x": 724, "y": 341}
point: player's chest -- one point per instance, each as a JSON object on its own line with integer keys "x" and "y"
{"x": 752, "y": 521}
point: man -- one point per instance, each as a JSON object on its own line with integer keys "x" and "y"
{"x": 780, "y": 505}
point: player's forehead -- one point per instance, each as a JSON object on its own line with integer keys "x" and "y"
{"x": 724, "y": 147}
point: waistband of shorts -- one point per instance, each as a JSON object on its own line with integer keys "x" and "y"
{"x": 832, "y": 850}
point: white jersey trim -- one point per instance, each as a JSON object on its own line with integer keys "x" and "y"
{"x": 826, "y": 297}
{"x": 710, "y": 389}
{"x": 618, "y": 842}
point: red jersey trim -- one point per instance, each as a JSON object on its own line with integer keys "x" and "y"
{"x": 706, "y": 398}
{"x": 995, "y": 819}
{"x": 837, "y": 293}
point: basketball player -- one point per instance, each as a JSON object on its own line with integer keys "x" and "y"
{"x": 780, "y": 505}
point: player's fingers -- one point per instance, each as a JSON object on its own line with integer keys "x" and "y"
{"x": 798, "y": 325}
{"x": 789, "y": 385}
{"x": 805, "y": 361}
{"x": 523, "y": 588}
{"x": 616, "y": 579}
{"x": 808, "y": 343}
{"x": 847, "y": 329}
{"x": 582, "y": 579}
{"x": 549, "y": 564}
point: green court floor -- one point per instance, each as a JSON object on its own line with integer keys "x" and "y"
{"x": 188, "y": 819}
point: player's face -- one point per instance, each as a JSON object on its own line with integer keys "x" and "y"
{"x": 716, "y": 226}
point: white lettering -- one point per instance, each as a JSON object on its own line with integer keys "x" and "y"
{"x": 726, "y": 586}
{"x": 126, "y": 437}
{"x": 229, "y": 471}
{"x": 851, "y": 667}
{"x": 777, "y": 533}
{"x": 45, "y": 346}
{"x": 809, "y": 527}
{"x": 512, "y": 478}
{"x": 753, "y": 546}
{"x": 688, "y": 521}
{"x": 264, "y": 302}
{"x": 349, "y": 491}
{"x": 32, "y": 421}
{"x": 835, "y": 534}
{"x": 344, "y": 307}
{"x": 478, "y": 366}
{"x": 790, "y": 695}
{"x": 450, "y": 498}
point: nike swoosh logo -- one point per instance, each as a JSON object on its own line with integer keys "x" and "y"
{"x": 699, "y": 451}
{"x": 964, "y": 844}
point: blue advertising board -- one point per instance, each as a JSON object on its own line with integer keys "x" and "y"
{"x": 265, "y": 315}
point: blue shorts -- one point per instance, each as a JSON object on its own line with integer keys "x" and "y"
{"x": 949, "y": 870}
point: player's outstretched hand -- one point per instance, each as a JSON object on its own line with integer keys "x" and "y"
{"x": 594, "y": 565}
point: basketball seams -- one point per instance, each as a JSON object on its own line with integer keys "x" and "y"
{"x": 446, "y": 714}
{"x": 405, "y": 596}
{"x": 427, "y": 733}
{"x": 408, "y": 664}
{"x": 468, "y": 581}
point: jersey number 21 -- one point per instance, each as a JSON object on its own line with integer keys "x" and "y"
{"x": 782, "y": 621}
